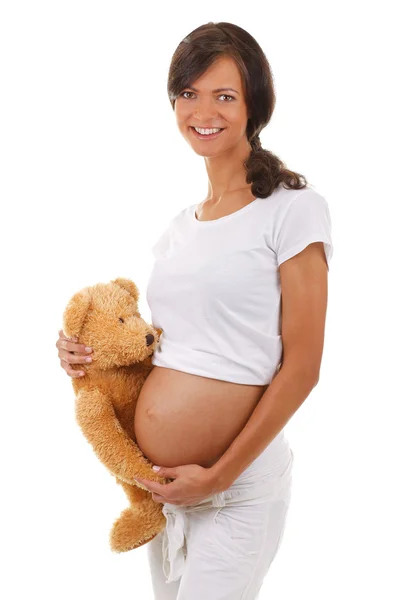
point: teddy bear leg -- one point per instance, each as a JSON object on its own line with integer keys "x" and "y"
{"x": 139, "y": 523}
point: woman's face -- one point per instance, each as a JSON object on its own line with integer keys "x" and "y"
{"x": 206, "y": 105}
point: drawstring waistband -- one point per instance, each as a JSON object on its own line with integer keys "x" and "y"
{"x": 255, "y": 491}
{"x": 172, "y": 543}
{"x": 174, "y": 535}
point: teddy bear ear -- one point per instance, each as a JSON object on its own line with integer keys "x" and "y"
{"x": 129, "y": 286}
{"x": 75, "y": 313}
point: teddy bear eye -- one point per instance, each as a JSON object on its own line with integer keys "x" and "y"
{"x": 121, "y": 319}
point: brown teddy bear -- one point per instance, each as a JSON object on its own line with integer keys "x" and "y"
{"x": 106, "y": 318}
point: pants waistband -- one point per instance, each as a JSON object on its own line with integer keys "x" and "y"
{"x": 258, "y": 489}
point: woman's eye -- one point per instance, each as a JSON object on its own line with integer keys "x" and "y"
{"x": 121, "y": 319}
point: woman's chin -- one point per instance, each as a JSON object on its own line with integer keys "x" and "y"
{"x": 206, "y": 152}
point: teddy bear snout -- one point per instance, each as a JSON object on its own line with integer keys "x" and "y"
{"x": 149, "y": 339}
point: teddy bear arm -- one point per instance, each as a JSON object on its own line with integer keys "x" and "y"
{"x": 114, "y": 448}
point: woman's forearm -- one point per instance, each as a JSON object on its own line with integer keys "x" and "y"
{"x": 285, "y": 394}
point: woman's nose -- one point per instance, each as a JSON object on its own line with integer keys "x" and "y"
{"x": 205, "y": 111}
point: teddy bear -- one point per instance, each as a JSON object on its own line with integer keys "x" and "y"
{"x": 105, "y": 317}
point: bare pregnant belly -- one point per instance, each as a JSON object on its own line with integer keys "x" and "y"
{"x": 183, "y": 418}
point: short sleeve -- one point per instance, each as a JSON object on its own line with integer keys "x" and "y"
{"x": 306, "y": 220}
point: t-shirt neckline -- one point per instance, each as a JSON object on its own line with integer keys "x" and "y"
{"x": 212, "y": 222}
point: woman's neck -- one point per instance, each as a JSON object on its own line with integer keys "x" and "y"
{"x": 226, "y": 172}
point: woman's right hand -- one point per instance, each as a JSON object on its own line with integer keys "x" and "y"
{"x": 72, "y": 353}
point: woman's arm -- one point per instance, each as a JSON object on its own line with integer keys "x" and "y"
{"x": 304, "y": 303}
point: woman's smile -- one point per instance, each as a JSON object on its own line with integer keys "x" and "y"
{"x": 206, "y": 136}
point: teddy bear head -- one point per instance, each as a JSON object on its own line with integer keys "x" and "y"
{"x": 105, "y": 317}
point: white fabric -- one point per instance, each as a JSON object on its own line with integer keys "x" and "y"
{"x": 215, "y": 288}
{"x": 223, "y": 547}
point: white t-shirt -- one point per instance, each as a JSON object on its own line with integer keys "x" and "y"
{"x": 215, "y": 288}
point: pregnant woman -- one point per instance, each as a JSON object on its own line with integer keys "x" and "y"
{"x": 239, "y": 288}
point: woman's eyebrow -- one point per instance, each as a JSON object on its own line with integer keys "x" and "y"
{"x": 216, "y": 90}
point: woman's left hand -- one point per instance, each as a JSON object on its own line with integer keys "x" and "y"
{"x": 192, "y": 483}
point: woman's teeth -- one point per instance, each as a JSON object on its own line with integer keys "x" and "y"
{"x": 207, "y": 131}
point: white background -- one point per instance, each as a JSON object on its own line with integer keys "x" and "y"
{"x": 92, "y": 169}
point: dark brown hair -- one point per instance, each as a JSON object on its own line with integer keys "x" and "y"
{"x": 196, "y": 53}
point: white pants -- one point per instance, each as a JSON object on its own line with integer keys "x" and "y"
{"x": 222, "y": 548}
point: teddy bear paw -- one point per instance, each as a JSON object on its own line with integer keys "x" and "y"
{"x": 131, "y": 530}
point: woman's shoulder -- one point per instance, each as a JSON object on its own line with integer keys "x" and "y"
{"x": 282, "y": 195}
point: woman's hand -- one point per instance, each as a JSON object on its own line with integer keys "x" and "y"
{"x": 71, "y": 352}
{"x": 192, "y": 483}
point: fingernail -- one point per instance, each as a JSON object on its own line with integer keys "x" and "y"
{"x": 155, "y": 468}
